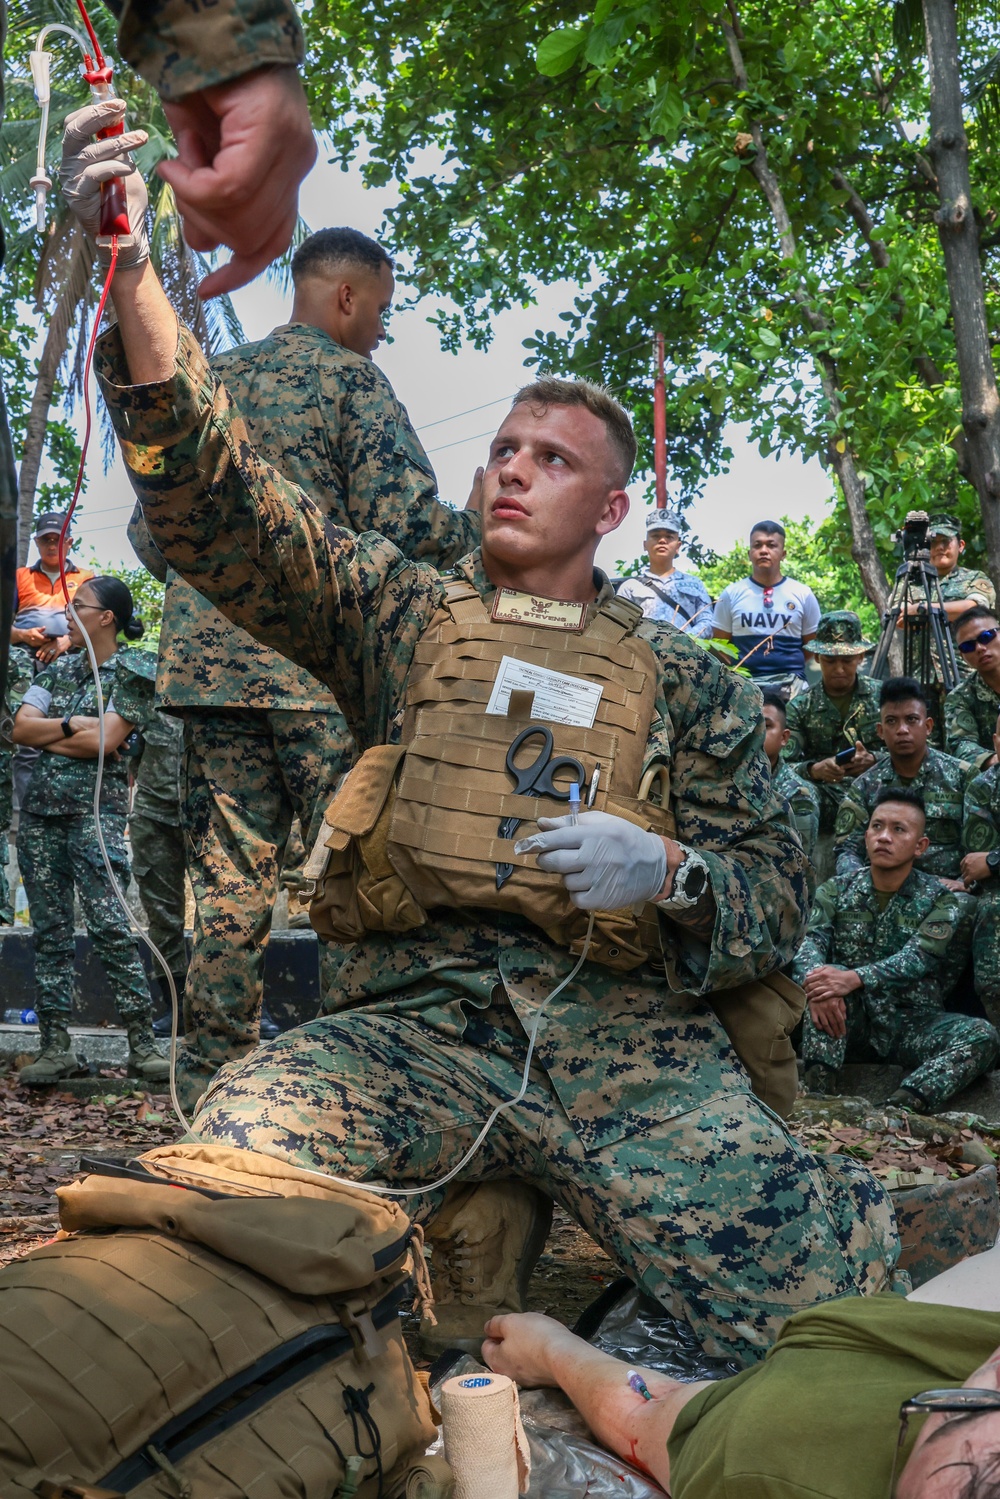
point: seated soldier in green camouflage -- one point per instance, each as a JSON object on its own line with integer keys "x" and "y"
{"x": 839, "y": 711}
{"x": 875, "y": 968}
{"x": 905, "y": 725}
{"x": 981, "y": 870}
{"x": 970, "y": 711}
{"x": 802, "y": 799}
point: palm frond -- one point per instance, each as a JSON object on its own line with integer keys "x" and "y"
{"x": 982, "y": 95}
{"x": 908, "y": 28}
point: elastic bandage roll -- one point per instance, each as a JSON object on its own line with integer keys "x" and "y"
{"x": 484, "y": 1440}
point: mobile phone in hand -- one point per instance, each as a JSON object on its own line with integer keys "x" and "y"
{"x": 844, "y": 755}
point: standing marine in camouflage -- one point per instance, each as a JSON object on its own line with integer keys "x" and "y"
{"x": 961, "y": 587}
{"x": 802, "y": 799}
{"x": 981, "y": 869}
{"x": 19, "y": 678}
{"x": 264, "y": 740}
{"x": 875, "y": 968}
{"x": 638, "y": 1116}
{"x": 157, "y": 838}
{"x": 970, "y": 711}
{"x": 57, "y": 843}
{"x": 909, "y": 761}
{"x": 839, "y": 711}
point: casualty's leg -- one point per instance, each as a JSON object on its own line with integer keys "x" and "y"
{"x": 726, "y": 1220}
{"x": 236, "y": 819}
{"x": 536, "y": 1350}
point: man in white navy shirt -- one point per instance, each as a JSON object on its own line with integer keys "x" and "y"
{"x": 768, "y": 617}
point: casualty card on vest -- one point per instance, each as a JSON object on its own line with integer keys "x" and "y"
{"x": 559, "y": 697}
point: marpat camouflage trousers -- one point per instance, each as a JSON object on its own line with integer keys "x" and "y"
{"x": 716, "y": 1211}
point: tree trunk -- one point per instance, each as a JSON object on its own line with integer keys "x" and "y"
{"x": 949, "y": 151}
{"x": 842, "y": 461}
{"x": 71, "y": 305}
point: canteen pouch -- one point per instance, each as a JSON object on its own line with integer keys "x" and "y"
{"x": 215, "y": 1324}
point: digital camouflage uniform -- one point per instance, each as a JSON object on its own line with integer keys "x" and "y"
{"x": 941, "y": 781}
{"x": 970, "y": 720}
{"x": 264, "y": 740}
{"x": 180, "y": 46}
{"x": 980, "y": 835}
{"x": 822, "y": 725}
{"x": 638, "y": 1117}
{"x": 19, "y": 676}
{"x": 57, "y": 846}
{"x": 901, "y": 954}
{"x": 157, "y": 837}
{"x": 803, "y": 799}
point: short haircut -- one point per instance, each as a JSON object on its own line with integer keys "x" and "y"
{"x": 978, "y": 611}
{"x": 984, "y": 1479}
{"x": 769, "y": 527}
{"x": 903, "y": 796}
{"x": 776, "y": 701}
{"x": 599, "y": 402}
{"x": 330, "y": 250}
{"x": 904, "y": 690}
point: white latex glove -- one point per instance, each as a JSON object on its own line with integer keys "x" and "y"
{"x": 606, "y": 862}
{"x": 86, "y": 163}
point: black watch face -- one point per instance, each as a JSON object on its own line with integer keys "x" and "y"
{"x": 993, "y": 859}
{"x": 694, "y": 883}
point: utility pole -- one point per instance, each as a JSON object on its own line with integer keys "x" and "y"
{"x": 660, "y": 427}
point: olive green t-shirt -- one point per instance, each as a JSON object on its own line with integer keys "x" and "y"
{"x": 819, "y": 1418}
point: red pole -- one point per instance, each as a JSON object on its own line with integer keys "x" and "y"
{"x": 660, "y": 428}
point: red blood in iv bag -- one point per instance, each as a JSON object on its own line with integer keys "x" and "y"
{"x": 114, "y": 201}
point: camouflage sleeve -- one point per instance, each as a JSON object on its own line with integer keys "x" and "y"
{"x": 981, "y": 590}
{"x": 794, "y": 752}
{"x": 921, "y": 950}
{"x": 961, "y": 732}
{"x": 804, "y": 802}
{"x": 180, "y": 46}
{"x": 980, "y": 832}
{"x": 142, "y": 545}
{"x": 348, "y": 608}
{"x": 849, "y": 849}
{"x": 391, "y": 485}
{"x": 132, "y": 698}
{"x": 817, "y": 944}
{"x": 726, "y": 809}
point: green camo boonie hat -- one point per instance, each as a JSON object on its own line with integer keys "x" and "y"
{"x": 943, "y": 525}
{"x": 839, "y": 634}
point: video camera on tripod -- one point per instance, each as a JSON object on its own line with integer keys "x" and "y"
{"x": 915, "y": 614}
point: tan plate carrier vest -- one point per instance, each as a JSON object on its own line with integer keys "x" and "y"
{"x": 414, "y": 826}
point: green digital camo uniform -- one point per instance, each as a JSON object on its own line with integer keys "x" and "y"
{"x": 803, "y": 799}
{"x": 19, "y": 678}
{"x": 820, "y": 726}
{"x": 970, "y": 720}
{"x": 980, "y": 835}
{"x": 157, "y": 837}
{"x": 941, "y": 781}
{"x": 264, "y": 740}
{"x": 180, "y": 46}
{"x": 57, "y": 845}
{"x": 900, "y": 953}
{"x": 638, "y": 1117}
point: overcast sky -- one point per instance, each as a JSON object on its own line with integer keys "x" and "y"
{"x": 442, "y": 393}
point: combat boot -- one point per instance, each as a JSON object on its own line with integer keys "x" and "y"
{"x": 56, "y": 1060}
{"x": 819, "y": 1078}
{"x": 144, "y": 1061}
{"x": 485, "y": 1243}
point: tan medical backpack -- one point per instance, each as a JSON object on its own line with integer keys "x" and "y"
{"x": 214, "y": 1324}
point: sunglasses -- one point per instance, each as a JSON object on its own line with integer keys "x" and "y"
{"x": 983, "y": 638}
{"x": 965, "y": 1402}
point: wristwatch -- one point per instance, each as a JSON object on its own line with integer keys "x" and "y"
{"x": 993, "y": 860}
{"x": 67, "y": 728}
{"x": 690, "y": 883}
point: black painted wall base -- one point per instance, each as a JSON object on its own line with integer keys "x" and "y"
{"x": 291, "y": 977}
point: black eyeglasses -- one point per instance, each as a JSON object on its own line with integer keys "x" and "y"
{"x": 983, "y": 638}
{"x": 964, "y": 1402}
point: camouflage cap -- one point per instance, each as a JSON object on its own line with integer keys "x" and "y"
{"x": 839, "y": 634}
{"x": 943, "y": 525}
{"x": 662, "y": 520}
